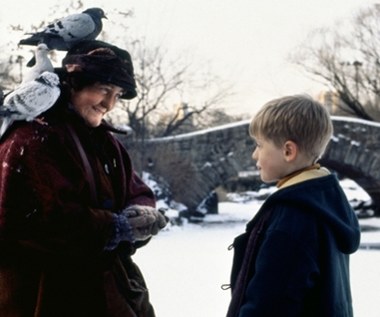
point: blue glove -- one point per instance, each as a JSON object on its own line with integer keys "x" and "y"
{"x": 145, "y": 221}
{"x": 136, "y": 223}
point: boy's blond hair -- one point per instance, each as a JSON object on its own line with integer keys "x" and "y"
{"x": 297, "y": 118}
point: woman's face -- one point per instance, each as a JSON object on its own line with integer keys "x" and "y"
{"x": 93, "y": 102}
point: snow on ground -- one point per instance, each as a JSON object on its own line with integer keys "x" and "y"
{"x": 185, "y": 266}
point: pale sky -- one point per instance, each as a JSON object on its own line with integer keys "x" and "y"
{"x": 245, "y": 42}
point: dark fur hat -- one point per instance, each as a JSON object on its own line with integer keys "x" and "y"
{"x": 103, "y": 62}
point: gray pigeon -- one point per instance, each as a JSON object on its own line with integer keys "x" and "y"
{"x": 64, "y": 33}
{"x": 29, "y": 100}
{"x": 43, "y": 64}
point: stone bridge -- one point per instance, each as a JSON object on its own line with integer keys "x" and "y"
{"x": 218, "y": 154}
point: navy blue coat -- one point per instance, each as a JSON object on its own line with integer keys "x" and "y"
{"x": 300, "y": 265}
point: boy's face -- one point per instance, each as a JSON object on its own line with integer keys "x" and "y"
{"x": 270, "y": 160}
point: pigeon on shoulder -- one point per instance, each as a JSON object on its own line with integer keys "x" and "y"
{"x": 64, "y": 33}
{"x": 29, "y": 100}
{"x": 43, "y": 64}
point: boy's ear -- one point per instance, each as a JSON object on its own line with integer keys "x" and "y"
{"x": 290, "y": 151}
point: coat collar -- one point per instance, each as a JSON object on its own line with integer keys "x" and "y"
{"x": 314, "y": 171}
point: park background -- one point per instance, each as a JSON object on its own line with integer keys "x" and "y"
{"x": 246, "y": 45}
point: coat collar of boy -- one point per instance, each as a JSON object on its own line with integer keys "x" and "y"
{"x": 310, "y": 172}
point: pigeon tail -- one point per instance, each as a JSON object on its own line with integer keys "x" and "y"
{"x": 1, "y": 96}
{"x": 31, "y": 62}
{"x": 7, "y": 112}
{"x": 52, "y": 41}
{"x": 4, "y": 125}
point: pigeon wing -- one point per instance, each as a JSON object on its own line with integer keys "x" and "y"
{"x": 72, "y": 28}
{"x": 46, "y": 96}
{"x": 30, "y": 100}
{"x": 10, "y": 108}
{"x": 16, "y": 102}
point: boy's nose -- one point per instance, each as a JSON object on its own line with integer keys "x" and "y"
{"x": 254, "y": 154}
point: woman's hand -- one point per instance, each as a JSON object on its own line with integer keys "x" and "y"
{"x": 145, "y": 221}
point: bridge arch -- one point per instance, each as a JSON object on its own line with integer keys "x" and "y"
{"x": 219, "y": 153}
{"x": 354, "y": 152}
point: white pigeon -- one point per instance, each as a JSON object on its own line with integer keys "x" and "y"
{"x": 65, "y": 32}
{"x": 43, "y": 64}
{"x": 29, "y": 100}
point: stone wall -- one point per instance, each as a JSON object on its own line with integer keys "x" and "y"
{"x": 354, "y": 152}
{"x": 217, "y": 155}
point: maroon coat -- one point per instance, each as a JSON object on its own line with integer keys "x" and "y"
{"x": 53, "y": 232}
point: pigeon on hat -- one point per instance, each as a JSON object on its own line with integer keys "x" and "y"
{"x": 64, "y": 33}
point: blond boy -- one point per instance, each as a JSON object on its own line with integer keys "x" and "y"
{"x": 293, "y": 259}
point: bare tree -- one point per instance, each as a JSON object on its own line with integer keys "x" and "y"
{"x": 156, "y": 80}
{"x": 161, "y": 83}
{"x": 218, "y": 116}
{"x": 193, "y": 117}
{"x": 163, "y": 78}
{"x": 346, "y": 58}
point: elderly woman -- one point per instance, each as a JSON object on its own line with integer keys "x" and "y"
{"x": 72, "y": 209}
